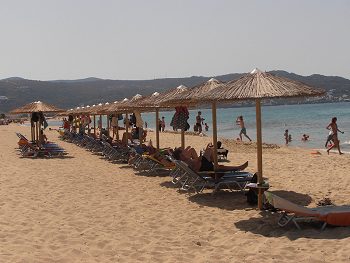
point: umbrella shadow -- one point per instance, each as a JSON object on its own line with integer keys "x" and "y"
{"x": 169, "y": 184}
{"x": 47, "y": 157}
{"x": 152, "y": 174}
{"x": 297, "y": 198}
{"x": 226, "y": 200}
{"x": 266, "y": 225}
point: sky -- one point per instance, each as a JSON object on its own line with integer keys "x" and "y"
{"x": 74, "y": 39}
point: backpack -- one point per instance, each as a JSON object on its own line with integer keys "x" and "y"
{"x": 252, "y": 196}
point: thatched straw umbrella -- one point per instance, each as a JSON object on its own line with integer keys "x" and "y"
{"x": 157, "y": 101}
{"x": 99, "y": 109}
{"x": 193, "y": 96}
{"x": 125, "y": 106}
{"x": 35, "y": 107}
{"x": 256, "y": 86}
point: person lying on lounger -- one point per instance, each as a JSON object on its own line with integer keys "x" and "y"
{"x": 204, "y": 162}
{"x": 42, "y": 138}
{"x": 159, "y": 155}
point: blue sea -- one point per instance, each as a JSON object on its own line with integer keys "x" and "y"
{"x": 310, "y": 119}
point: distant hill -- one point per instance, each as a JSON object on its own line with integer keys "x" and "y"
{"x": 15, "y": 91}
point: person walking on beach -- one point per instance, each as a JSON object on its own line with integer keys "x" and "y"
{"x": 286, "y": 136}
{"x": 199, "y": 122}
{"x": 159, "y": 125}
{"x": 243, "y": 131}
{"x": 334, "y": 128}
{"x": 163, "y": 124}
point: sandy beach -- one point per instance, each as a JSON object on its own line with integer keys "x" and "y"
{"x": 83, "y": 208}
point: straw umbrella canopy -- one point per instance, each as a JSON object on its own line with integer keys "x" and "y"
{"x": 147, "y": 103}
{"x": 125, "y": 104}
{"x": 193, "y": 96}
{"x": 157, "y": 101}
{"x": 36, "y": 106}
{"x": 66, "y": 113}
{"x": 262, "y": 85}
{"x": 256, "y": 86}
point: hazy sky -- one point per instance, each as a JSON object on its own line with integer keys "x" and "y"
{"x": 70, "y": 39}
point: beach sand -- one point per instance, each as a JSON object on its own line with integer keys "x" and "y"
{"x": 83, "y": 208}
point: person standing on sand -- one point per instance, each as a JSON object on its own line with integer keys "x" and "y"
{"x": 159, "y": 125}
{"x": 199, "y": 122}
{"x": 286, "y": 136}
{"x": 163, "y": 124}
{"x": 243, "y": 131}
{"x": 334, "y": 127}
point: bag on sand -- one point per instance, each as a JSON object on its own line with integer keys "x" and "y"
{"x": 252, "y": 196}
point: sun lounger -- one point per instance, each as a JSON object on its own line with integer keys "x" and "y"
{"x": 191, "y": 180}
{"x": 149, "y": 164}
{"x": 29, "y": 149}
{"x": 291, "y": 212}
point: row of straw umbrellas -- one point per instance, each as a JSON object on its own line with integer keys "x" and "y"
{"x": 254, "y": 86}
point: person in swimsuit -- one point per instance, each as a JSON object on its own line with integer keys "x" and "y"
{"x": 199, "y": 122}
{"x": 243, "y": 131}
{"x": 204, "y": 162}
{"x": 334, "y": 128}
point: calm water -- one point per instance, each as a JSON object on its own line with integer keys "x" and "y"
{"x": 310, "y": 119}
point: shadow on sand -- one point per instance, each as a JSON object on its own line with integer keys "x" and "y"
{"x": 223, "y": 199}
{"x": 297, "y": 198}
{"x": 266, "y": 225}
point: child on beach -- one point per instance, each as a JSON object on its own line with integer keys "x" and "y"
{"x": 206, "y": 127}
{"x": 243, "y": 131}
{"x": 305, "y": 137}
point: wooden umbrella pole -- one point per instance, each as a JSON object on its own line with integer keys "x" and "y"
{"x": 88, "y": 126}
{"x": 100, "y": 126}
{"x": 76, "y": 124}
{"x": 117, "y": 128}
{"x": 107, "y": 125}
{"x": 140, "y": 133}
{"x": 157, "y": 128}
{"x": 37, "y": 133}
{"x": 259, "y": 150}
{"x": 182, "y": 138}
{"x": 32, "y": 130}
{"x": 127, "y": 126}
{"x": 215, "y": 136}
{"x": 95, "y": 125}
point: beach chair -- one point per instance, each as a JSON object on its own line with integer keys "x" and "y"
{"x": 291, "y": 212}
{"x": 149, "y": 164}
{"x": 32, "y": 150}
{"x": 191, "y": 180}
{"x": 29, "y": 149}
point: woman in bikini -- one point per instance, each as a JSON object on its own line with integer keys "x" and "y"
{"x": 334, "y": 127}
